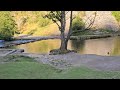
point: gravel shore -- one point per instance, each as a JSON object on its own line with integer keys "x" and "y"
{"x": 74, "y": 59}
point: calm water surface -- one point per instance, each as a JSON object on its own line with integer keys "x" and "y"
{"x": 104, "y": 46}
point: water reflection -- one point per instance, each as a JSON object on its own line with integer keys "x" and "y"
{"x": 98, "y": 46}
{"x": 77, "y": 45}
{"x": 43, "y": 46}
{"x": 104, "y": 46}
{"x": 2, "y": 44}
{"x": 116, "y": 48}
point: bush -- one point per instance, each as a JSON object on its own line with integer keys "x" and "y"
{"x": 7, "y": 25}
{"x": 116, "y": 14}
{"x": 77, "y": 24}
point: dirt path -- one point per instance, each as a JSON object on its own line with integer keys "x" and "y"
{"x": 74, "y": 59}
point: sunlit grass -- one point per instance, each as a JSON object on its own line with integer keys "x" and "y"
{"x": 48, "y": 30}
{"x": 30, "y": 27}
{"x": 27, "y": 68}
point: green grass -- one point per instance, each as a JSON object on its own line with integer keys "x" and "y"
{"x": 27, "y": 68}
{"x": 21, "y": 67}
{"x": 86, "y": 73}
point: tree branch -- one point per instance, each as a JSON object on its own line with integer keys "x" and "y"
{"x": 70, "y": 27}
{"x": 90, "y": 25}
{"x": 92, "y": 21}
{"x": 88, "y": 19}
{"x": 57, "y": 25}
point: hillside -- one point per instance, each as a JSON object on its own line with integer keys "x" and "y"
{"x": 33, "y": 25}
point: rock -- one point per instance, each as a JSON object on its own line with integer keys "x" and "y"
{"x": 58, "y": 51}
{"x": 20, "y": 50}
{"x": 103, "y": 20}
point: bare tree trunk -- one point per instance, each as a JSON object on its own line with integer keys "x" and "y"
{"x": 63, "y": 24}
{"x": 70, "y": 30}
{"x": 62, "y": 47}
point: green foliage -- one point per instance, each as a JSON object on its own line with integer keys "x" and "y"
{"x": 30, "y": 19}
{"x": 84, "y": 32}
{"x": 77, "y": 24}
{"x": 44, "y": 22}
{"x": 39, "y": 18}
{"x": 54, "y": 15}
{"x": 116, "y": 14}
{"x": 107, "y": 31}
{"x": 7, "y": 25}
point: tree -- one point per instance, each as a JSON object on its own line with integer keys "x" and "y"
{"x": 86, "y": 25}
{"x": 59, "y": 17}
{"x": 7, "y": 25}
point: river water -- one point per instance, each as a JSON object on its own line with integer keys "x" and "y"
{"x": 104, "y": 46}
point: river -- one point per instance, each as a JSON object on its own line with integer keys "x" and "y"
{"x": 104, "y": 46}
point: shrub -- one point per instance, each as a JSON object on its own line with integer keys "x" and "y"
{"x": 77, "y": 24}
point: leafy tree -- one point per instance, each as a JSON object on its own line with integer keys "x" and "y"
{"x": 59, "y": 17}
{"x": 7, "y": 25}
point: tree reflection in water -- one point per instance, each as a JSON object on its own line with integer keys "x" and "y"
{"x": 77, "y": 45}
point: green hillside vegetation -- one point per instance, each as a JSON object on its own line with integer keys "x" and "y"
{"x": 116, "y": 14}
{"x": 7, "y": 25}
{"x": 33, "y": 23}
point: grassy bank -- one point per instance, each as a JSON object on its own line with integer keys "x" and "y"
{"x": 20, "y": 67}
{"x": 91, "y": 35}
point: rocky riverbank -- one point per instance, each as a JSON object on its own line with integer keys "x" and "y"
{"x": 5, "y": 52}
{"x": 110, "y": 63}
{"x": 24, "y": 40}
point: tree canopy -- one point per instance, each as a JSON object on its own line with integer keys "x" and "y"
{"x": 7, "y": 25}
